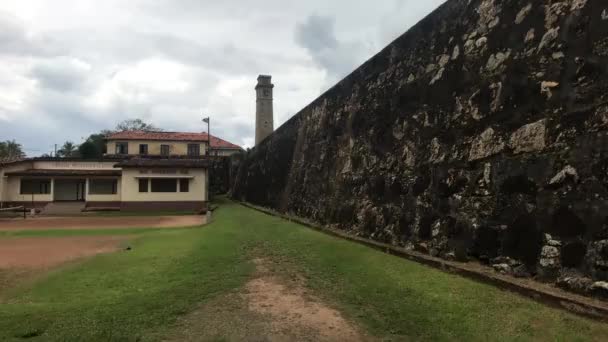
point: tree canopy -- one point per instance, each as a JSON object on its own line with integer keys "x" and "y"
{"x": 136, "y": 125}
{"x": 68, "y": 150}
{"x": 11, "y": 149}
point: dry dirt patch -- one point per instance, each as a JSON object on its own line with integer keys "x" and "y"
{"x": 90, "y": 222}
{"x": 268, "y": 308}
{"x": 16, "y": 253}
{"x": 292, "y": 309}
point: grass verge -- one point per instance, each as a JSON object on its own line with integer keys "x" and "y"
{"x": 82, "y": 232}
{"x": 132, "y": 295}
{"x": 140, "y": 294}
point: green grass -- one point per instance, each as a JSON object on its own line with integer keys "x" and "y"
{"x": 81, "y": 232}
{"x": 140, "y": 294}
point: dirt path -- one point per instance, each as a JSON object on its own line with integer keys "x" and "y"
{"x": 91, "y": 222}
{"x": 25, "y": 259}
{"x": 268, "y": 308}
{"x": 47, "y": 252}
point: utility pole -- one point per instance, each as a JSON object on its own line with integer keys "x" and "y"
{"x": 208, "y": 121}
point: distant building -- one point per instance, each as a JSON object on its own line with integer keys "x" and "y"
{"x": 168, "y": 144}
{"x": 141, "y": 171}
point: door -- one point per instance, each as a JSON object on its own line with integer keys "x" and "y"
{"x": 80, "y": 191}
{"x": 69, "y": 190}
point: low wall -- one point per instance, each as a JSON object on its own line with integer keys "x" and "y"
{"x": 194, "y": 206}
{"x": 480, "y": 134}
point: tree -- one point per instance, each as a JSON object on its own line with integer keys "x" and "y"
{"x": 88, "y": 150}
{"x": 11, "y": 149}
{"x": 136, "y": 125}
{"x": 94, "y": 147}
{"x": 68, "y": 150}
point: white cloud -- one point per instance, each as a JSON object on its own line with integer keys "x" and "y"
{"x": 70, "y": 68}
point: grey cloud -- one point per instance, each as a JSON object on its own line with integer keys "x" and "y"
{"x": 135, "y": 45}
{"x": 317, "y": 35}
{"x": 15, "y": 41}
{"x": 61, "y": 74}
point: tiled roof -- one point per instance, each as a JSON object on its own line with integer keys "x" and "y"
{"x": 218, "y": 143}
{"x": 172, "y": 136}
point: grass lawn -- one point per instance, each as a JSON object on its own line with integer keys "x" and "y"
{"x": 140, "y": 294}
{"x": 82, "y": 232}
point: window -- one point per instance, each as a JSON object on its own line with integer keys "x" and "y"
{"x": 103, "y": 186}
{"x": 122, "y": 148}
{"x": 164, "y": 184}
{"x": 35, "y": 186}
{"x": 194, "y": 150}
{"x": 143, "y": 185}
{"x": 143, "y": 148}
{"x": 184, "y": 185}
{"x": 164, "y": 150}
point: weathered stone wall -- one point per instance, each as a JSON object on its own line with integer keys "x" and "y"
{"x": 222, "y": 173}
{"x": 481, "y": 133}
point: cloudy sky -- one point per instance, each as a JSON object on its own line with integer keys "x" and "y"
{"x": 72, "y": 68}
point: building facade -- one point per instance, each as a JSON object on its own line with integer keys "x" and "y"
{"x": 141, "y": 171}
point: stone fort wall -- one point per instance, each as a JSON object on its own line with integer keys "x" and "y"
{"x": 481, "y": 133}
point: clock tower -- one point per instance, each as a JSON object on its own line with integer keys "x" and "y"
{"x": 264, "y": 122}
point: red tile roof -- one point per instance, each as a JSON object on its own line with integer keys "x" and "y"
{"x": 223, "y": 144}
{"x": 172, "y": 136}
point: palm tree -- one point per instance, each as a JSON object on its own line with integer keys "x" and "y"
{"x": 11, "y": 149}
{"x": 67, "y": 150}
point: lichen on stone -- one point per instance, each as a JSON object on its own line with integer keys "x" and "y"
{"x": 438, "y": 76}
{"x": 496, "y": 96}
{"x": 496, "y": 60}
{"x": 529, "y": 138}
{"x": 485, "y": 145}
{"x": 578, "y": 5}
{"x": 455, "y": 52}
{"x": 547, "y": 86}
{"x": 565, "y": 173}
{"x": 521, "y": 16}
{"x": 488, "y": 12}
{"x": 548, "y": 38}
{"x": 530, "y": 36}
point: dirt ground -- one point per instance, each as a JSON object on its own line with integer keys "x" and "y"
{"x": 268, "y": 308}
{"x": 90, "y": 222}
{"x": 40, "y": 252}
{"x": 292, "y": 310}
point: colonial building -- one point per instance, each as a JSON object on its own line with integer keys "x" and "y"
{"x": 140, "y": 171}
